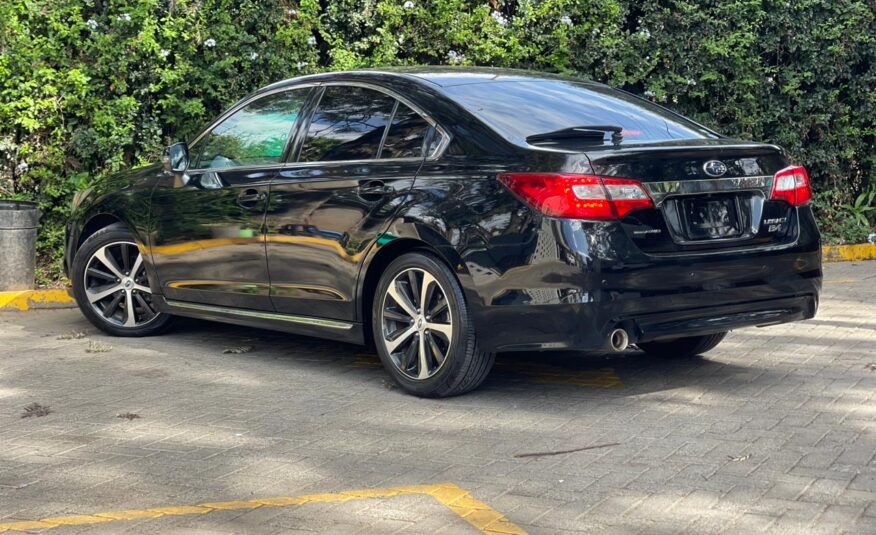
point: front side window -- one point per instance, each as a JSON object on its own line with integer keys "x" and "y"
{"x": 348, "y": 124}
{"x": 254, "y": 135}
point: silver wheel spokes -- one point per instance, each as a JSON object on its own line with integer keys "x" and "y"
{"x": 116, "y": 285}
{"x": 417, "y": 323}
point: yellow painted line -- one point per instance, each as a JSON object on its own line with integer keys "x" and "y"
{"x": 848, "y": 253}
{"x": 478, "y": 514}
{"x": 27, "y": 299}
{"x": 841, "y": 281}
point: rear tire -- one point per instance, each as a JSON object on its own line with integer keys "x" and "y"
{"x": 682, "y": 347}
{"x": 423, "y": 330}
{"x": 111, "y": 287}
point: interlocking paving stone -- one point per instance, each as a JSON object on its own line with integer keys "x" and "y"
{"x": 773, "y": 431}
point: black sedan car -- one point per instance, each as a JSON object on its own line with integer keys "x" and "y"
{"x": 444, "y": 215}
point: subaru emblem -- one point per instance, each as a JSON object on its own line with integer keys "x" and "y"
{"x": 714, "y": 168}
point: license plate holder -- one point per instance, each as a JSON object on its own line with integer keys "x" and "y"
{"x": 712, "y": 217}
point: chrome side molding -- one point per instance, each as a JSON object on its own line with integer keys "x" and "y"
{"x": 227, "y": 311}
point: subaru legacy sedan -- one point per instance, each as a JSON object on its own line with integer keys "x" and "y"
{"x": 444, "y": 215}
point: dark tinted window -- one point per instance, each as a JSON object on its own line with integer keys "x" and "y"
{"x": 406, "y": 135}
{"x": 348, "y": 125}
{"x": 521, "y": 109}
{"x": 254, "y": 135}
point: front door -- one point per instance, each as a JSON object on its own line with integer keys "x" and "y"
{"x": 208, "y": 242}
{"x": 357, "y": 160}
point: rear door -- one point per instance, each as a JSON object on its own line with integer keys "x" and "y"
{"x": 208, "y": 244}
{"x": 356, "y": 160}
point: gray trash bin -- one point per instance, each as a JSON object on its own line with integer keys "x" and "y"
{"x": 18, "y": 234}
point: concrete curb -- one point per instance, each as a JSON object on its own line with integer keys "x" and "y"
{"x": 29, "y": 299}
{"x": 849, "y": 253}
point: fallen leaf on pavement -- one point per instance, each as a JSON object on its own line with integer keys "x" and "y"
{"x": 128, "y": 416}
{"x": 98, "y": 347}
{"x": 72, "y": 335}
{"x": 238, "y": 350}
{"x": 35, "y": 409}
{"x": 739, "y": 458}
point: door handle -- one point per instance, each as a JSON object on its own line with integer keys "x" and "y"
{"x": 373, "y": 187}
{"x": 251, "y": 197}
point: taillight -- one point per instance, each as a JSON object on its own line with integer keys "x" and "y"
{"x": 791, "y": 184}
{"x": 578, "y": 196}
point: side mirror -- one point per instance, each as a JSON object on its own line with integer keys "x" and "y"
{"x": 176, "y": 158}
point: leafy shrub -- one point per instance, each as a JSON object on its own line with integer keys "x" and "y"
{"x": 88, "y": 87}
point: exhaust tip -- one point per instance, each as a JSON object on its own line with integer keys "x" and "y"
{"x": 619, "y": 340}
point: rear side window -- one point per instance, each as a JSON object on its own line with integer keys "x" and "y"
{"x": 521, "y": 109}
{"x": 406, "y": 135}
{"x": 254, "y": 135}
{"x": 348, "y": 124}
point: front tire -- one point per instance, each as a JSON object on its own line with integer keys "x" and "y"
{"x": 423, "y": 330}
{"x": 682, "y": 347}
{"x": 111, "y": 287}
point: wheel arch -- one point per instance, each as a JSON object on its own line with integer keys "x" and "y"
{"x": 98, "y": 222}
{"x": 382, "y": 255}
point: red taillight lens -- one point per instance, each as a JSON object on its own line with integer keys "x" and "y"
{"x": 578, "y": 196}
{"x": 791, "y": 184}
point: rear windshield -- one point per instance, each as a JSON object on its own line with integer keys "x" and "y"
{"x": 521, "y": 109}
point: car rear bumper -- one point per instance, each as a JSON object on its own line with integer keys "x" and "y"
{"x": 575, "y": 299}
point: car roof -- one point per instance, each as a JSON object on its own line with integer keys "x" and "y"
{"x": 440, "y": 76}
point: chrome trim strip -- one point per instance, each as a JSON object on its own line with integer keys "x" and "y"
{"x": 659, "y": 191}
{"x": 304, "y": 320}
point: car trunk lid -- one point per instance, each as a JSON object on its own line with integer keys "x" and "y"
{"x": 710, "y": 194}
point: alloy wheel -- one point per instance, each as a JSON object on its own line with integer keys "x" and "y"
{"x": 116, "y": 285}
{"x": 417, "y": 323}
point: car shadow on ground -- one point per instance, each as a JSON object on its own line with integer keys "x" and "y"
{"x": 631, "y": 372}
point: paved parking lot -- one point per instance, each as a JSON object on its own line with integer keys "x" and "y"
{"x": 773, "y": 431}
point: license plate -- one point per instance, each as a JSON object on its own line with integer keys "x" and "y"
{"x": 712, "y": 218}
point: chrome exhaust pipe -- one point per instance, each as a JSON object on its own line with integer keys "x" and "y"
{"x": 619, "y": 340}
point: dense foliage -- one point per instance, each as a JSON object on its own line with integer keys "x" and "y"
{"x": 90, "y": 86}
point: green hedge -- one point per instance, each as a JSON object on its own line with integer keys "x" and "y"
{"x": 88, "y": 87}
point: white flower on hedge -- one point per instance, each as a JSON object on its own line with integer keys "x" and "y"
{"x": 408, "y": 5}
{"x": 566, "y": 19}
{"x": 311, "y": 40}
{"x": 649, "y": 94}
{"x": 210, "y": 43}
{"x": 125, "y": 17}
{"x": 644, "y": 33}
{"x": 254, "y": 56}
{"x": 292, "y": 12}
{"x": 23, "y": 167}
{"x": 499, "y": 18}
{"x": 163, "y": 53}
{"x": 91, "y": 23}
{"x": 300, "y": 65}
{"x": 691, "y": 81}
{"x": 455, "y": 57}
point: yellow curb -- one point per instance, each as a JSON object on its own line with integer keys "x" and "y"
{"x": 456, "y": 499}
{"x": 27, "y": 299}
{"x": 848, "y": 253}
